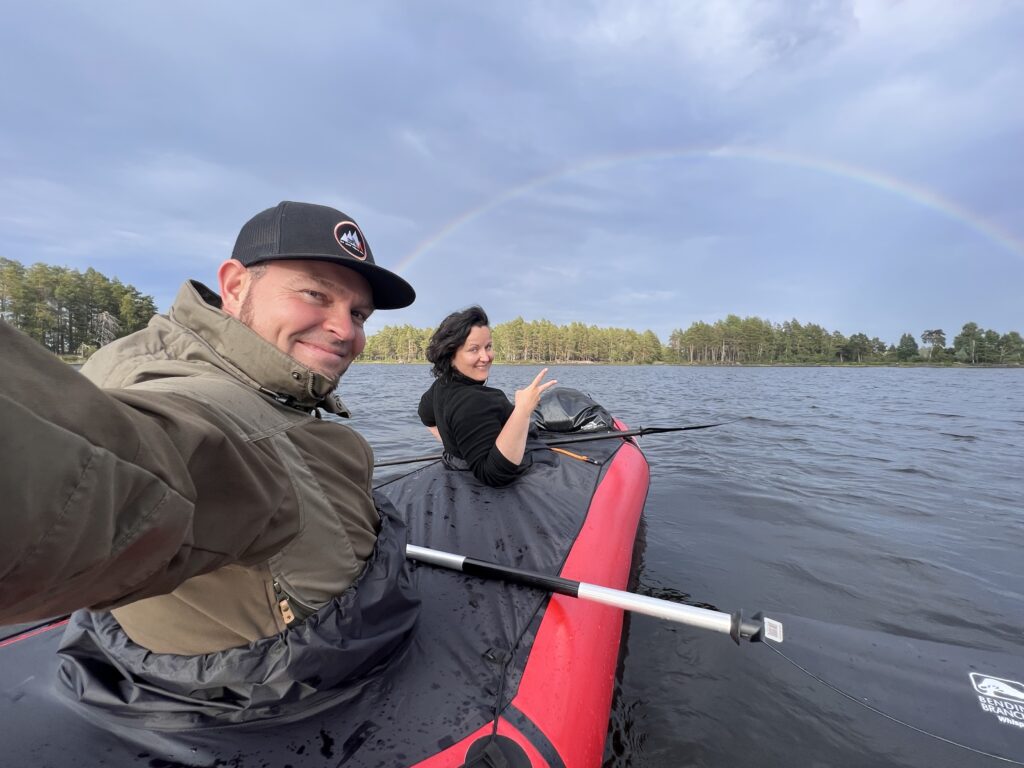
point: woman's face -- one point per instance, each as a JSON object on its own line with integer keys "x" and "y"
{"x": 473, "y": 359}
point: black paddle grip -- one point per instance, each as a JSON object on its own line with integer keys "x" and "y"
{"x": 539, "y": 581}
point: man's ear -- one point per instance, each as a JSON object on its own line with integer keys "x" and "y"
{"x": 234, "y": 280}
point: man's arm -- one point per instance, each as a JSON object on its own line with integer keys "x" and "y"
{"x": 105, "y": 496}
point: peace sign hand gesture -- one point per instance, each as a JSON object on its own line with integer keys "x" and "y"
{"x": 529, "y": 397}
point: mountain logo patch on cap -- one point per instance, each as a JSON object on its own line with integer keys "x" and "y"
{"x": 351, "y": 239}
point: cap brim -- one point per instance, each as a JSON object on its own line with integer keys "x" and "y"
{"x": 389, "y": 290}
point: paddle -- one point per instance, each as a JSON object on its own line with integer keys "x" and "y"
{"x": 639, "y": 432}
{"x": 966, "y": 697}
{"x": 705, "y": 618}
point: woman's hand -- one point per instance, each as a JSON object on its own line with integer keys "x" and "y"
{"x": 528, "y": 398}
{"x": 511, "y": 441}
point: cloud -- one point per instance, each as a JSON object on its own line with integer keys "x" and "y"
{"x": 645, "y": 297}
{"x": 719, "y": 45}
{"x": 551, "y": 135}
{"x": 417, "y": 142}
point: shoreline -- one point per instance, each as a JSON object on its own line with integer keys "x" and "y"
{"x": 534, "y": 363}
{"x": 79, "y": 362}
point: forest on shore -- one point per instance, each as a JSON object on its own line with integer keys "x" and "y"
{"x": 71, "y": 313}
{"x": 74, "y": 313}
{"x": 732, "y": 341}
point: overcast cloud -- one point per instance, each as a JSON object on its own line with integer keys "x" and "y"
{"x": 855, "y": 164}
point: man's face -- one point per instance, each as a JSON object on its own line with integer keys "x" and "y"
{"x": 313, "y": 311}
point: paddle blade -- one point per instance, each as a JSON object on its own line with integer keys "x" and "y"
{"x": 971, "y": 698}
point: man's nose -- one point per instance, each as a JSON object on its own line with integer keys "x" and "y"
{"x": 339, "y": 322}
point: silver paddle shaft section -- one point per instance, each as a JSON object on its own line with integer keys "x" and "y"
{"x": 691, "y": 615}
{"x": 435, "y": 557}
{"x": 703, "y": 618}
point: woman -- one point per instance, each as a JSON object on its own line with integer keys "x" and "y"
{"x": 477, "y": 424}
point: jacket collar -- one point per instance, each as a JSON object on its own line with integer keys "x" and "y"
{"x": 462, "y": 378}
{"x": 245, "y": 354}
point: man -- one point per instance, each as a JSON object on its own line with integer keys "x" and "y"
{"x": 198, "y": 493}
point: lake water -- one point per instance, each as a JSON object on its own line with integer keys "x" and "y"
{"x": 888, "y": 499}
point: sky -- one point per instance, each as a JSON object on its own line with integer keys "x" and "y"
{"x": 641, "y": 165}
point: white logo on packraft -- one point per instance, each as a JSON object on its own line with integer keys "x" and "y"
{"x": 1001, "y": 698}
{"x": 997, "y": 687}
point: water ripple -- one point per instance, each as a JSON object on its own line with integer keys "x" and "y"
{"x": 883, "y": 498}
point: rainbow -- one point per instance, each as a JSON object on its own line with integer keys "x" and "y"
{"x": 917, "y": 194}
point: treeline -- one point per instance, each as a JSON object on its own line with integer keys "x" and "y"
{"x": 732, "y": 341}
{"x": 755, "y": 341}
{"x": 538, "y": 341}
{"x": 67, "y": 311}
{"x": 75, "y": 313}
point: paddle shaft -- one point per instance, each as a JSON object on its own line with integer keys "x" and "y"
{"x": 640, "y": 432}
{"x": 703, "y": 618}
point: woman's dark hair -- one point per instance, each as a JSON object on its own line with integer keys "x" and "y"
{"x": 450, "y": 335}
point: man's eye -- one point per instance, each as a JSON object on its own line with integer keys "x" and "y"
{"x": 314, "y": 294}
{"x": 359, "y": 315}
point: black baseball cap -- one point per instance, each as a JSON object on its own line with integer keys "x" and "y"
{"x": 318, "y": 233}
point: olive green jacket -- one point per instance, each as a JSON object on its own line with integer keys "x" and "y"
{"x": 192, "y": 493}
